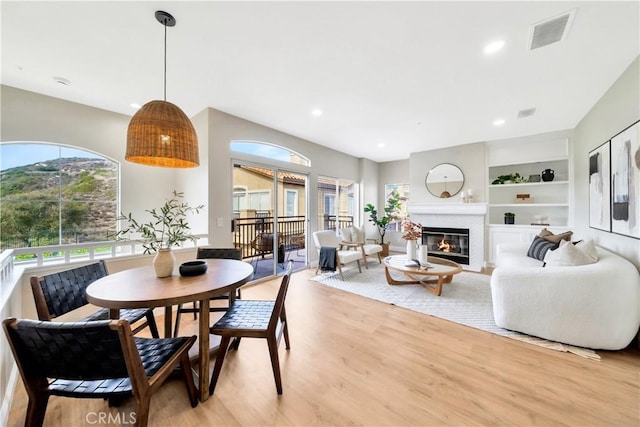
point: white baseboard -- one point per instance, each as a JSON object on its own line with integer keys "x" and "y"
{"x": 8, "y": 396}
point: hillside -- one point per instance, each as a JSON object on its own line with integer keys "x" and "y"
{"x": 30, "y": 195}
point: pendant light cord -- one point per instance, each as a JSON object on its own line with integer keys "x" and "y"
{"x": 165, "y": 62}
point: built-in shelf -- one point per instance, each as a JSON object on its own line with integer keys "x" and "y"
{"x": 546, "y": 200}
{"x": 527, "y": 184}
{"x": 539, "y": 205}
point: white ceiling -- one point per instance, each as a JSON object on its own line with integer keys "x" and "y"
{"x": 410, "y": 75}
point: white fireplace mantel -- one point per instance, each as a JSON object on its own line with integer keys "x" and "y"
{"x": 456, "y": 215}
{"x": 447, "y": 209}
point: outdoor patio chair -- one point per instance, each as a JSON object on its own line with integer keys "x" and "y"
{"x": 263, "y": 245}
{"x": 99, "y": 359}
{"x": 59, "y": 293}
{"x": 254, "y": 319}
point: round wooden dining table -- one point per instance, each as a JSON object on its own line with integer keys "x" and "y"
{"x": 140, "y": 288}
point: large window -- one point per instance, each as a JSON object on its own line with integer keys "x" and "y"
{"x": 52, "y": 194}
{"x": 269, "y": 151}
{"x": 337, "y": 202}
{"x": 402, "y": 190}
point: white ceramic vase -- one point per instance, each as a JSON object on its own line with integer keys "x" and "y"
{"x": 163, "y": 262}
{"x": 412, "y": 249}
{"x": 423, "y": 254}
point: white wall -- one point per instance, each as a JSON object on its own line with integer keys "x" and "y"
{"x": 194, "y": 182}
{"x": 470, "y": 158}
{"x": 618, "y": 108}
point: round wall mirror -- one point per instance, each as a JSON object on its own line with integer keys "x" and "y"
{"x": 444, "y": 180}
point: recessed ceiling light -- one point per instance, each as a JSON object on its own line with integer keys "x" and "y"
{"x": 499, "y": 122}
{"x": 317, "y": 112}
{"x": 380, "y": 145}
{"x": 136, "y": 106}
{"x": 493, "y": 47}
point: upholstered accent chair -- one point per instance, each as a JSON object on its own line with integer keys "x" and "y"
{"x": 353, "y": 237}
{"x": 329, "y": 239}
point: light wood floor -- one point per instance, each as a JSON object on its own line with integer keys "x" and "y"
{"x": 355, "y": 361}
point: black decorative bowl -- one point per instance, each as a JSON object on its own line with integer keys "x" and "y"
{"x": 193, "y": 268}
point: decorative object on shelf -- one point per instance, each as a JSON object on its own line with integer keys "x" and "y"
{"x": 540, "y": 220}
{"x": 509, "y": 218}
{"x": 625, "y": 176}
{"x": 524, "y": 198}
{"x": 513, "y": 178}
{"x": 168, "y": 228}
{"x": 466, "y": 198}
{"x": 193, "y": 268}
{"x": 548, "y": 175}
{"x": 391, "y": 210}
{"x": 534, "y": 178}
{"x": 600, "y": 188}
{"x": 444, "y": 180}
{"x": 160, "y": 133}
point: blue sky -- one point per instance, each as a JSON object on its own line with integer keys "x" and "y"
{"x": 13, "y": 155}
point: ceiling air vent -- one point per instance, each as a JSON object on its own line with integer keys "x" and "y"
{"x": 526, "y": 113}
{"x": 551, "y": 31}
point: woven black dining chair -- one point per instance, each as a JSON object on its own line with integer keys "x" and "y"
{"x": 59, "y": 293}
{"x": 254, "y": 319}
{"x": 99, "y": 359}
{"x": 211, "y": 253}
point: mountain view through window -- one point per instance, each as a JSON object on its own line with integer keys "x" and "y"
{"x": 52, "y": 195}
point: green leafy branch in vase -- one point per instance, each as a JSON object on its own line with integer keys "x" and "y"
{"x": 169, "y": 226}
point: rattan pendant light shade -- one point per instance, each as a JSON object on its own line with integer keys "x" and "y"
{"x": 160, "y": 133}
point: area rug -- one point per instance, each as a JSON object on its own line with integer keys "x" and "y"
{"x": 466, "y": 301}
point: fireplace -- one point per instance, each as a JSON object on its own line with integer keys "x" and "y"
{"x": 449, "y": 243}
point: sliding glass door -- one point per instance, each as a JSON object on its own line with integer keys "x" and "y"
{"x": 270, "y": 217}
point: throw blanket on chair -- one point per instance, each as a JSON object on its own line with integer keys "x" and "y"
{"x": 327, "y": 261}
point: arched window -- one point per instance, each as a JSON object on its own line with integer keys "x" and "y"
{"x": 53, "y": 194}
{"x": 270, "y": 151}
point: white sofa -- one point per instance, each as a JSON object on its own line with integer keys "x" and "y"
{"x": 594, "y": 306}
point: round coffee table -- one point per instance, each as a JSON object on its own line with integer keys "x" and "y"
{"x": 442, "y": 269}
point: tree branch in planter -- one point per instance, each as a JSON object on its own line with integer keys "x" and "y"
{"x": 391, "y": 208}
{"x": 169, "y": 226}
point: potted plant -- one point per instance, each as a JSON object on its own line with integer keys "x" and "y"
{"x": 509, "y": 218}
{"x": 167, "y": 228}
{"x": 514, "y": 178}
{"x": 381, "y": 222}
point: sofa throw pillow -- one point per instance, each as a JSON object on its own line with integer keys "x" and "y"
{"x": 539, "y": 248}
{"x": 357, "y": 234}
{"x": 555, "y": 238}
{"x": 346, "y": 235}
{"x": 589, "y": 248}
{"x": 568, "y": 255}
